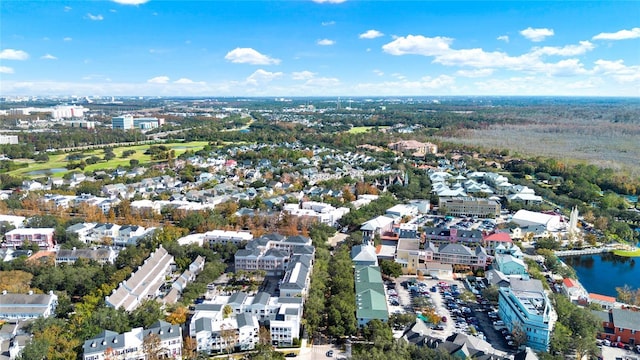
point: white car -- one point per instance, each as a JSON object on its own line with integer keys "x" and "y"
{"x": 606, "y": 342}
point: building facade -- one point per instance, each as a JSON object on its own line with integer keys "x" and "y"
{"x": 526, "y": 305}
{"x": 145, "y": 283}
{"x": 467, "y": 206}
{"x": 27, "y": 306}
{"x": 124, "y": 122}
{"x": 43, "y": 237}
{"x": 131, "y": 345}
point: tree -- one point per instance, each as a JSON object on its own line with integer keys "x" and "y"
{"x": 227, "y": 311}
{"x": 391, "y": 268}
{"x": 518, "y": 334}
{"x": 378, "y": 332}
{"x": 151, "y": 346}
{"x": 490, "y": 293}
{"x": 147, "y": 313}
{"x": 178, "y": 315}
{"x": 230, "y": 337}
{"x": 560, "y": 339}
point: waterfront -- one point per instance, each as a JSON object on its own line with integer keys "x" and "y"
{"x": 602, "y": 273}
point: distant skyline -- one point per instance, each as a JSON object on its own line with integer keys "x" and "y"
{"x": 319, "y": 48}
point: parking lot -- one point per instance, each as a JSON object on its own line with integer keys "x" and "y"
{"x": 476, "y": 318}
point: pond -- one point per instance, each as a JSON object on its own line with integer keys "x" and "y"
{"x": 602, "y": 273}
{"x": 45, "y": 171}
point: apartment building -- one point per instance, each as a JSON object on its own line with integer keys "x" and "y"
{"x": 43, "y": 237}
{"x": 27, "y": 306}
{"x": 143, "y": 284}
{"x": 131, "y": 344}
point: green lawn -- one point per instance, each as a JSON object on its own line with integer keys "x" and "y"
{"x": 58, "y": 161}
{"x": 626, "y": 253}
{"x": 364, "y": 129}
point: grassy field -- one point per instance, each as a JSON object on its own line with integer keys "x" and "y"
{"x": 626, "y": 253}
{"x": 364, "y": 129}
{"x": 58, "y": 161}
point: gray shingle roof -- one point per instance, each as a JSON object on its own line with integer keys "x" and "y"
{"x": 626, "y": 319}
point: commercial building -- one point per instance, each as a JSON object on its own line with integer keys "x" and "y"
{"x": 27, "y": 306}
{"x": 147, "y": 123}
{"x": 525, "y": 304}
{"x": 131, "y": 344}
{"x": 456, "y": 254}
{"x": 467, "y": 206}
{"x": 124, "y": 122}
{"x": 620, "y": 326}
{"x": 552, "y": 222}
{"x": 371, "y": 302}
{"x": 9, "y": 139}
{"x": 416, "y": 147}
{"x": 441, "y": 236}
{"x": 226, "y": 236}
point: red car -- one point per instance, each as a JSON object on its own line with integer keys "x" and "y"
{"x": 620, "y": 345}
{"x": 444, "y": 319}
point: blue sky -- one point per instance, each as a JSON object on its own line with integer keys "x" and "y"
{"x": 319, "y": 48}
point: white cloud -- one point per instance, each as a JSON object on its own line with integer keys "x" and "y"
{"x": 261, "y": 76}
{"x": 568, "y": 50}
{"x": 130, "y": 2}
{"x": 68, "y": 38}
{"x": 328, "y": 23}
{"x": 329, "y": 1}
{"x": 325, "y": 42}
{"x": 98, "y": 17}
{"x": 48, "y": 57}
{"x": 418, "y": 45}
{"x": 323, "y": 82}
{"x": 371, "y": 34}
{"x": 618, "y": 70}
{"x": 424, "y": 85}
{"x": 619, "y": 35}
{"x": 12, "y": 54}
{"x": 302, "y": 75}
{"x": 536, "y": 35}
{"x": 184, "y": 81}
{"x": 6, "y": 70}
{"x": 476, "y": 73}
{"x": 439, "y": 48}
{"x": 378, "y": 72}
{"x": 159, "y": 80}
{"x": 504, "y": 38}
{"x": 249, "y": 56}
{"x": 67, "y": 8}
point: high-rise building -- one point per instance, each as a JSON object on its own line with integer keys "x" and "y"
{"x": 124, "y": 122}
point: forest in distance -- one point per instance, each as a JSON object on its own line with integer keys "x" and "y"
{"x": 600, "y": 131}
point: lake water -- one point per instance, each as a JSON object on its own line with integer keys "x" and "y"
{"x": 45, "y": 171}
{"x": 602, "y": 273}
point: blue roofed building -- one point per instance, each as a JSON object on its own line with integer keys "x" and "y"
{"x": 525, "y": 304}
